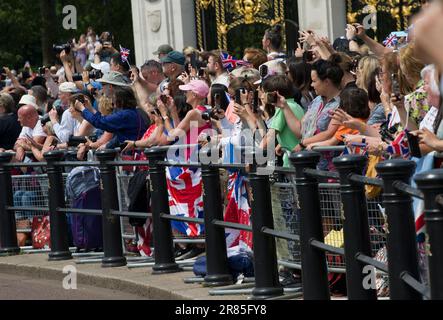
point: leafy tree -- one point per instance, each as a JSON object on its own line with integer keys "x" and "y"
{"x": 30, "y": 28}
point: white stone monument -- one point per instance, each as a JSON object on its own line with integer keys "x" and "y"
{"x": 158, "y": 22}
{"x": 325, "y": 17}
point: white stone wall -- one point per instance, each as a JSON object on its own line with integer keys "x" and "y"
{"x": 325, "y": 17}
{"x": 158, "y": 22}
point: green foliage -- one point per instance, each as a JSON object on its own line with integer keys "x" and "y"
{"x": 20, "y": 22}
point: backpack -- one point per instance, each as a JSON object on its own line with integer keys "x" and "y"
{"x": 139, "y": 195}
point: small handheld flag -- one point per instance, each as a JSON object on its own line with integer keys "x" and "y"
{"x": 124, "y": 53}
{"x": 230, "y": 63}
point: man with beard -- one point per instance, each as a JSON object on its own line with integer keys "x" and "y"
{"x": 216, "y": 70}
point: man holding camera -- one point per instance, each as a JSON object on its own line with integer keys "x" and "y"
{"x": 66, "y": 127}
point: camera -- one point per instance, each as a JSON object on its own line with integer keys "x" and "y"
{"x": 387, "y": 134}
{"x": 59, "y": 48}
{"x": 75, "y": 141}
{"x": 42, "y": 70}
{"x": 94, "y": 75}
{"x": 271, "y": 98}
{"x": 44, "y": 120}
{"x": 210, "y": 114}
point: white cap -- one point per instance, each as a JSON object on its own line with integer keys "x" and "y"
{"x": 103, "y": 66}
{"x": 27, "y": 99}
{"x": 68, "y": 87}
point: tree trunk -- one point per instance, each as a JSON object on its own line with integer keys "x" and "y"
{"x": 49, "y": 27}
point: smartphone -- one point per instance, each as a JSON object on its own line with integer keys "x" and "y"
{"x": 164, "y": 99}
{"x": 194, "y": 60}
{"x": 395, "y": 85}
{"x": 217, "y": 100}
{"x": 238, "y": 92}
{"x": 263, "y": 71}
{"x": 414, "y": 147}
{"x": 201, "y": 73}
{"x": 271, "y": 98}
{"x": 255, "y": 102}
{"x": 309, "y": 56}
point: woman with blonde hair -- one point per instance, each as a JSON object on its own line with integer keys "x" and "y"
{"x": 366, "y": 66}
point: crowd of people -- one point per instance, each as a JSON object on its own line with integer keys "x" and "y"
{"x": 380, "y": 101}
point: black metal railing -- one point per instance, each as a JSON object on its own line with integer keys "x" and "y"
{"x": 395, "y": 176}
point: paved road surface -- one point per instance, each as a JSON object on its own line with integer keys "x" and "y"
{"x": 14, "y": 287}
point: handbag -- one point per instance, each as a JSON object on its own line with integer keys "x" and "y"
{"x": 372, "y": 191}
{"x": 41, "y": 233}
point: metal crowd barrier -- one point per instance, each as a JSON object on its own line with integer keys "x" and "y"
{"x": 402, "y": 266}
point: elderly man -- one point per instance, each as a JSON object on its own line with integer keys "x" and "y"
{"x": 147, "y": 84}
{"x": 173, "y": 66}
{"x": 32, "y": 129}
{"x": 68, "y": 125}
{"x": 9, "y": 127}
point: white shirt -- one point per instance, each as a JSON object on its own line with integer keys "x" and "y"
{"x": 37, "y": 131}
{"x": 222, "y": 79}
{"x": 66, "y": 128}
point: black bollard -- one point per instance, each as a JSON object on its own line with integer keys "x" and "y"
{"x": 401, "y": 242}
{"x": 112, "y": 238}
{"x": 8, "y": 230}
{"x": 56, "y": 197}
{"x": 163, "y": 244}
{"x": 267, "y": 283}
{"x": 313, "y": 261}
{"x": 431, "y": 184}
{"x": 217, "y": 273}
{"x": 355, "y": 226}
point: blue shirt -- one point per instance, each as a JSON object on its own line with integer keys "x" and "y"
{"x": 125, "y": 124}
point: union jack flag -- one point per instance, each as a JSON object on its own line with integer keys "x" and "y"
{"x": 391, "y": 41}
{"x": 400, "y": 146}
{"x": 230, "y": 63}
{"x": 124, "y": 53}
{"x": 238, "y": 211}
{"x": 144, "y": 238}
{"x": 185, "y": 198}
{"x": 356, "y": 148}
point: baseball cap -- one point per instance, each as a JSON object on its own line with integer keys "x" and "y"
{"x": 174, "y": 57}
{"x": 27, "y": 99}
{"x": 68, "y": 87}
{"x": 103, "y": 66}
{"x": 164, "y": 48}
{"x": 115, "y": 78}
{"x": 199, "y": 87}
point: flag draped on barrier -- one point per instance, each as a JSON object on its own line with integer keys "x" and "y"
{"x": 238, "y": 211}
{"x": 185, "y": 198}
